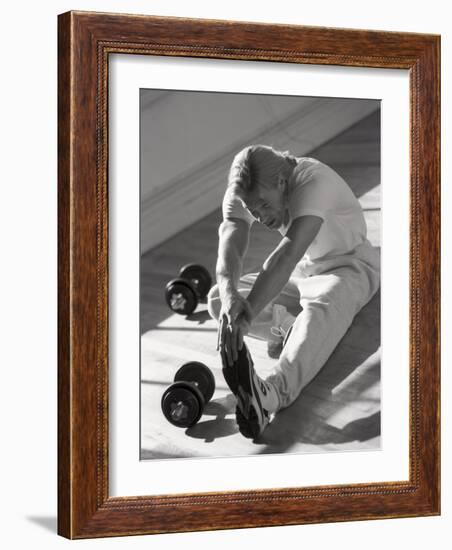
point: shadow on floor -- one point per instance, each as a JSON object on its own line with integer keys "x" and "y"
{"x": 316, "y": 432}
{"x": 211, "y": 430}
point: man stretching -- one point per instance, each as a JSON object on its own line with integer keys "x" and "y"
{"x": 322, "y": 272}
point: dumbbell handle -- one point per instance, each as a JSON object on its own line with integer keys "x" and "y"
{"x": 179, "y": 411}
{"x": 196, "y": 283}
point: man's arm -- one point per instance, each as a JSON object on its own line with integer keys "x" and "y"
{"x": 279, "y": 266}
{"x": 232, "y": 246}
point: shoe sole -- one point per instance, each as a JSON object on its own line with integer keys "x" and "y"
{"x": 238, "y": 381}
{"x": 248, "y": 427}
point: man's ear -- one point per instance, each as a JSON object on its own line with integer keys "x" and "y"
{"x": 283, "y": 184}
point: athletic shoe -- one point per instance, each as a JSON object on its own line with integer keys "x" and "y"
{"x": 282, "y": 323}
{"x": 252, "y": 394}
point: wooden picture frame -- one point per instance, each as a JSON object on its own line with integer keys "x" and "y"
{"x": 85, "y": 42}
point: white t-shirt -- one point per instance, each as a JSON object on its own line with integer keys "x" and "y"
{"x": 317, "y": 190}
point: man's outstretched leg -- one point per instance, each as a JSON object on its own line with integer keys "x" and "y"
{"x": 329, "y": 303}
{"x": 330, "y": 300}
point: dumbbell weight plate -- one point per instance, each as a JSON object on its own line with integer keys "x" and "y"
{"x": 182, "y": 404}
{"x": 199, "y": 374}
{"x": 181, "y": 297}
{"x": 199, "y": 276}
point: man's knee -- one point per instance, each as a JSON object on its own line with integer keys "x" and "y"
{"x": 214, "y": 302}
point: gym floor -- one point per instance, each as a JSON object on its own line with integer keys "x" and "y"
{"x": 339, "y": 410}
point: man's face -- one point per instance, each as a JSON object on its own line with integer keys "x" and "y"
{"x": 268, "y": 205}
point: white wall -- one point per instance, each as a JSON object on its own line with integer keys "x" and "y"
{"x": 28, "y": 274}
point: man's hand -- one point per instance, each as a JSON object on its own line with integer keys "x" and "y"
{"x": 235, "y": 318}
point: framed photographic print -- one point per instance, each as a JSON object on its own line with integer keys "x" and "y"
{"x": 248, "y": 275}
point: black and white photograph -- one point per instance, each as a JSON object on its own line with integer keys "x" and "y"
{"x": 259, "y": 274}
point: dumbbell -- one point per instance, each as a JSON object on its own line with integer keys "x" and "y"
{"x": 183, "y": 402}
{"x": 184, "y": 293}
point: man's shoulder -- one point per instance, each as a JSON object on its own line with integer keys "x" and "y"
{"x": 309, "y": 169}
{"x": 304, "y": 171}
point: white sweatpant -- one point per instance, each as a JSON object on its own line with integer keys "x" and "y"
{"x": 330, "y": 291}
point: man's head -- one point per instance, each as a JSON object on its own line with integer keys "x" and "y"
{"x": 259, "y": 176}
